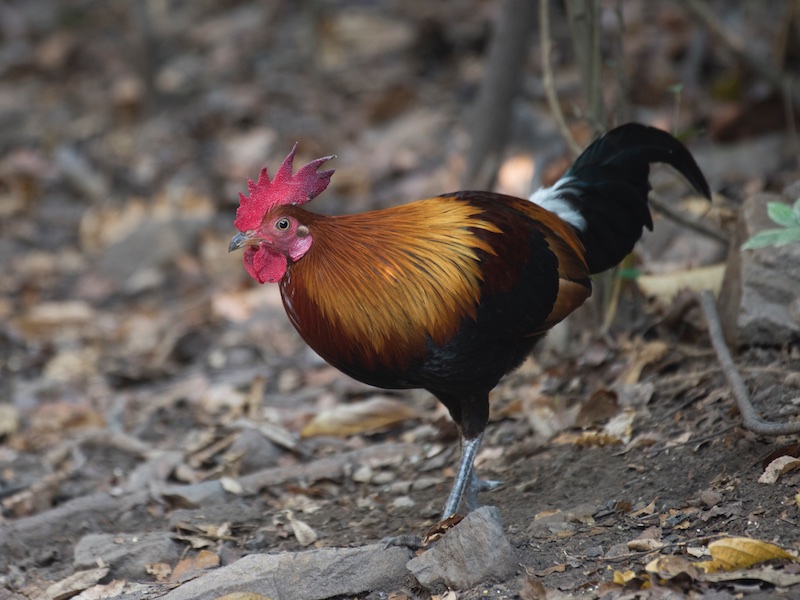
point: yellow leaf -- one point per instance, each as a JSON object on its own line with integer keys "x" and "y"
{"x": 622, "y": 578}
{"x": 667, "y": 285}
{"x": 730, "y": 554}
{"x": 647, "y": 353}
{"x": 359, "y": 417}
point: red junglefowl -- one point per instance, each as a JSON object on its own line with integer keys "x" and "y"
{"x": 451, "y": 293}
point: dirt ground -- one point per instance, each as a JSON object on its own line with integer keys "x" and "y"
{"x": 139, "y": 362}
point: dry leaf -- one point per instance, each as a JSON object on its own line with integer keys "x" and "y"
{"x": 645, "y": 545}
{"x": 623, "y": 577}
{"x": 647, "y": 510}
{"x": 76, "y": 583}
{"x": 160, "y": 571}
{"x": 665, "y": 287}
{"x": 620, "y": 427}
{"x": 696, "y": 551}
{"x": 601, "y": 406}
{"x": 9, "y": 419}
{"x": 302, "y": 530}
{"x": 194, "y": 566}
{"x": 617, "y": 431}
{"x": 49, "y": 318}
{"x": 730, "y": 554}
{"x": 231, "y": 485}
{"x": 100, "y": 591}
{"x": 645, "y": 354}
{"x": 667, "y": 567}
{"x": 779, "y": 466}
{"x": 359, "y": 417}
{"x": 792, "y": 449}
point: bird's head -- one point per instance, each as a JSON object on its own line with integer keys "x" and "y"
{"x": 269, "y": 230}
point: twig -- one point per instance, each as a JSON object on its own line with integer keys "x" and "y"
{"x": 692, "y": 442}
{"x": 750, "y": 418}
{"x": 693, "y": 541}
{"x": 548, "y": 81}
{"x": 694, "y": 225}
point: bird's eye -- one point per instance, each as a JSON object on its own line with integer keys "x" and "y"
{"x": 282, "y": 224}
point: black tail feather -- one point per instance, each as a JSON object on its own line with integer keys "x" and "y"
{"x": 608, "y": 184}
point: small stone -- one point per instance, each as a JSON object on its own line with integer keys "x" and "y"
{"x": 363, "y": 474}
{"x": 710, "y": 497}
{"x": 594, "y": 552}
{"x": 309, "y": 575}
{"x": 383, "y": 477}
{"x": 792, "y": 380}
{"x": 473, "y": 551}
{"x": 403, "y": 502}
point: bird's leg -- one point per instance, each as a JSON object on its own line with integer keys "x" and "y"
{"x": 476, "y": 485}
{"x": 465, "y": 477}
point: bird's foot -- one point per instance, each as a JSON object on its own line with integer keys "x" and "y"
{"x": 476, "y": 485}
{"x": 489, "y": 485}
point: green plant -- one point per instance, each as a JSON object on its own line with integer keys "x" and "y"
{"x": 787, "y": 217}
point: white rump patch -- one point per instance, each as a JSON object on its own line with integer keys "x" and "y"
{"x": 551, "y": 199}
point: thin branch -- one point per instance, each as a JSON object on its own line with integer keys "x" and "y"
{"x": 548, "y": 81}
{"x": 688, "y": 222}
{"x": 750, "y": 418}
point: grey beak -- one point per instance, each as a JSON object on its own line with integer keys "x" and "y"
{"x": 237, "y": 242}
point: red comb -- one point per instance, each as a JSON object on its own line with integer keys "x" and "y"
{"x": 285, "y": 188}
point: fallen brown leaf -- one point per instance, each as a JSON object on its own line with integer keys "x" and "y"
{"x": 779, "y": 466}
{"x": 76, "y": 583}
{"x": 194, "y": 566}
{"x": 359, "y": 417}
{"x": 161, "y": 571}
{"x": 667, "y": 567}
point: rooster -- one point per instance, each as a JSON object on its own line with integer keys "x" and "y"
{"x": 451, "y": 293}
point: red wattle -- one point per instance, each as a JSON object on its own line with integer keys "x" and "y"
{"x": 263, "y": 264}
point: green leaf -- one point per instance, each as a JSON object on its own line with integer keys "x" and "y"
{"x": 628, "y": 273}
{"x": 788, "y": 236}
{"x": 676, "y": 88}
{"x": 796, "y": 210}
{"x": 773, "y": 237}
{"x": 782, "y": 214}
